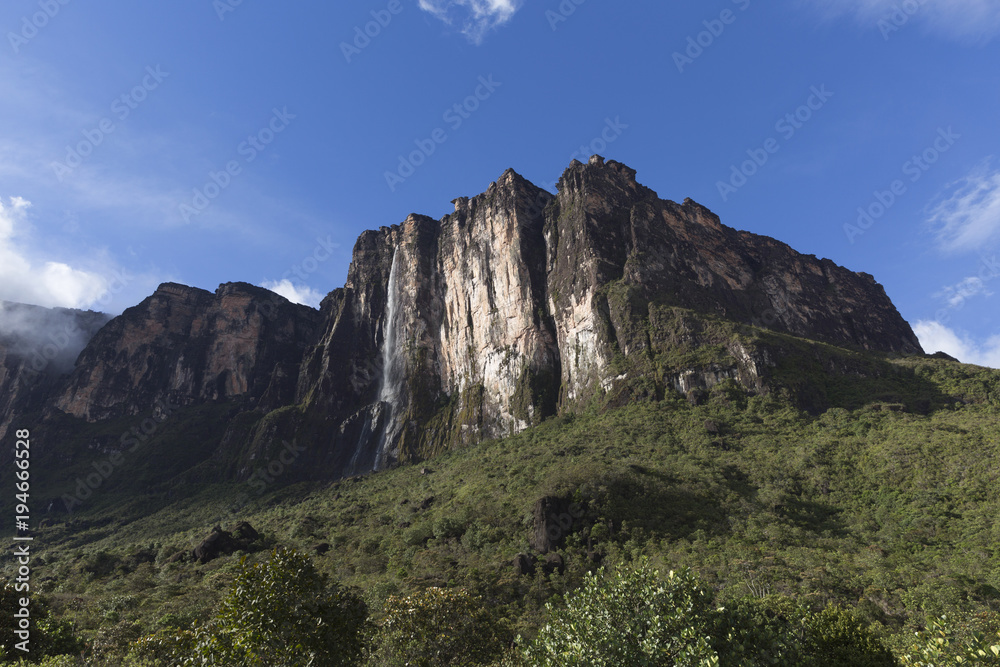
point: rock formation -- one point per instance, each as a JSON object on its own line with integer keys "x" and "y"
{"x": 518, "y": 305}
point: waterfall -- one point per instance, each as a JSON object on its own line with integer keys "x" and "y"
{"x": 379, "y": 430}
{"x": 393, "y": 372}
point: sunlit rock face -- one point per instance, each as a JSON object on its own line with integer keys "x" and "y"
{"x": 515, "y": 306}
{"x": 519, "y": 305}
{"x": 187, "y": 345}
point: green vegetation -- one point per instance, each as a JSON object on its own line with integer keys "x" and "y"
{"x": 848, "y": 514}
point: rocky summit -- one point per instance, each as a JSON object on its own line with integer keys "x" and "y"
{"x": 517, "y": 306}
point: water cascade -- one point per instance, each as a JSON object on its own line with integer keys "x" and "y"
{"x": 393, "y": 371}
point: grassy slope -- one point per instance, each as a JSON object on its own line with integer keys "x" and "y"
{"x": 888, "y": 510}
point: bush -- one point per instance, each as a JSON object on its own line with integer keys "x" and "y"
{"x": 439, "y": 627}
{"x": 634, "y": 617}
{"x": 940, "y": 644}
{"x": 637, "y": 617}
{"x": 49, "y": 636}
{"x": 279, "y": 613}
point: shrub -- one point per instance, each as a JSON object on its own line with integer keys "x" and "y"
{"x": 634, "y": 617}
{"x": 939, "y": 644}
{"x": 439, "y": 626}
{"x": 280, "y": 613}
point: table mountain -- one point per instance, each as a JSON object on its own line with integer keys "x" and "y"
{"x": 517, "y": 306}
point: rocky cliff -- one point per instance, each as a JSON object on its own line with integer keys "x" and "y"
{"x": 184, "y": 345}
{"x": 518, "y": 305}
{"x": 37, "y": 347}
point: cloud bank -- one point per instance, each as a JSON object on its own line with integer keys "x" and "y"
{"x": 303, "y": 295}
{"x": 43, "y": 283}
{"x": 936, "y": 337}
{"x": 473, "y": 18}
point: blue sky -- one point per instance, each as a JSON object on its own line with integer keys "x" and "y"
{"x": 208, "y": 141}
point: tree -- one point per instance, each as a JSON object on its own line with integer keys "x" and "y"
{"x": 282, "y": 613}
{"x": 49, "y": 637}
{"x": 439, "y": 626}
{"x": 634, "y": 617}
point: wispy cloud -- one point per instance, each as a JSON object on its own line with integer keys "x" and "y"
{"x": 957, "y": 295}
{"x": 967, "y": 216}
{"x": 975, "y": 20}
{"x": 25, "y": 277}
{"x": 474, "y": 18}
{"x": 300, "y": 294}
{"x": 936, "y": 337}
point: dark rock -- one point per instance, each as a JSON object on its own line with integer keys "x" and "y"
{"x": 140, "y": 557}
{"x": 555, "y": 518}
{"x": 321, "y": 549}
{"x": 554, "y": 563}
{"x": 245, "y": 533}
{"x": 697, "y": 396}
{"x": 942, "y": 355}
{"x": 179, "y": 557}
{"x": 222, "y": 543}
{"x": 524, "y": 564}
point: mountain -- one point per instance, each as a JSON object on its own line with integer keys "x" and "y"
{"x": 37, "y": 346}
{"x": 589, "y": 379}
{"x": 518, "y": 306}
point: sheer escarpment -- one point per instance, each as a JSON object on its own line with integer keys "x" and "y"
{"x": 517, "y": 306}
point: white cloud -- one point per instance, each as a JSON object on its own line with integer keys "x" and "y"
{"x": 474, "y": 17}
{"x": 39, "y": 282}
{"x": 967, "y": 216}
{"x": 957, "y": 295}
{"x": 977, "y": 20}
{"x": 306, "y": 296}
{"x": 936, "y": 337}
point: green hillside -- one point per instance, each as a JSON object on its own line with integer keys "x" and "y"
{"x": 886, "y": 505}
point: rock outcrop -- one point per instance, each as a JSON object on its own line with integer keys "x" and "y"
{"x": 519, "y": 305}
{"x": 185, "y": 345}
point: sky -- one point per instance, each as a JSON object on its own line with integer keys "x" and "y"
{"x": 211, "y": 141}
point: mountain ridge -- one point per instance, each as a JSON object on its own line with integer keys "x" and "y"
{"x": 517, "y": 306}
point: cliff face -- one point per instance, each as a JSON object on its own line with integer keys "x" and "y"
{"x": 187, "y": 345}
{"x": 518, "y": 305}
{"x": 37, "y": 347}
